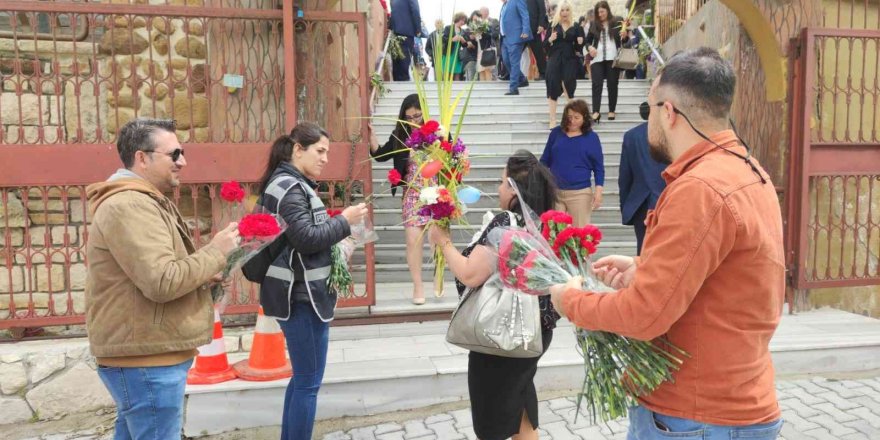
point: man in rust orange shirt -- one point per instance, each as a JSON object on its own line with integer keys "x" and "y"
{"x": 711, "y": 274}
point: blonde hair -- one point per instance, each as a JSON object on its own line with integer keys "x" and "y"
{"x": 559, "y": 6}
{"x": 438, "y": 24}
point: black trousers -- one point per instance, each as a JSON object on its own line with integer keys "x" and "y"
{"x": 538, "y": 50}
{"x": 400, "y": 68}
{"x": 599, "y": 72}
{"x": 639, "y": 225}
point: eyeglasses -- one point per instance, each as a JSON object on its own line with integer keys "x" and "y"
{"x": 415, "y": 117}
{"x": 174, "y": 155}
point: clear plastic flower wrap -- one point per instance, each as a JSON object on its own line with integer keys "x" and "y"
{"x": 340, "y": 279}
{"x": 617, "y": 369}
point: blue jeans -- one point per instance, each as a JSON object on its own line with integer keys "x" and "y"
{"x": 307, "y": 339}
{"x": 512, "y": 54}
{"x": 645, "y": 424}
{"x": 149, "y": 400}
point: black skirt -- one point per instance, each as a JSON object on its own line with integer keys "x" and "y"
{"x": 500, "y": 389}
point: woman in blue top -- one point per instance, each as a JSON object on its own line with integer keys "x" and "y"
{"x": 573, "y": 153}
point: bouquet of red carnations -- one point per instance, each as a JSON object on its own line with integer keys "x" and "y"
{"x": 257, "y": 230}
{"x": 617, "y": 369}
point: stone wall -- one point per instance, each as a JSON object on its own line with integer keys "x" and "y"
{"x": 48, "y": 380}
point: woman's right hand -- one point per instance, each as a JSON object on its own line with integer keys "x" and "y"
{"x": 354, "y": 214}
{"x": 592, "y": 51}
{"x": 552, "y": 37}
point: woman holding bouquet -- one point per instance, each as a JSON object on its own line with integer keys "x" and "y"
{"x": 504, "y": 402}
{"x": 405, "y": 174}
{"x": 295, "y": 288}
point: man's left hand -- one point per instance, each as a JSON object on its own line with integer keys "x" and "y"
{"x": 217, "y": 278}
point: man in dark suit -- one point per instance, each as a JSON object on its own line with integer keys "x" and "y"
{"x": 538, "y": 22}
{"x": 514, "y": 36}
{"x": 640, "y": 178}
{"x": 406, "y": 21}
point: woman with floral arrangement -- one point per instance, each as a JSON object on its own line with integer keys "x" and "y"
{"x": 405, "y": 174}
{"x": 574, "y": 154}
{"x": 504, "y": 402}
{"x": 295, "y": 288}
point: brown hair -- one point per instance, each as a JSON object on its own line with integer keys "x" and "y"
{"x": 458, "y": 17}
{"x": 580, "y": 106}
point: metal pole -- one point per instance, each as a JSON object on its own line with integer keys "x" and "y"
{"x": 651, "y": 45}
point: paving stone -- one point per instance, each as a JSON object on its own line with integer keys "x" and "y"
{"x": 388, "y": 427}
{"x": 808, "y": 386}
{"x": 799, "y": 407}
{"x": 463, "y": 418}
{"x": 873, "y": 383}
{"x": 865, "y": 428}
{"x": 546, "y": 415}
{"x": 828, "y": 423}
{"x": 819, "y": 434}
{"x": 807, "y": 397}
{"x": 789, "y": 432}
{"x": 364, "y": 433}
{"x": 865, "y": 414}
{"x": 798, "y": 423}
{"x": 416, "y": 429}
{"x": 856, "y": 436}
{"x": 558, "y": 431}
{"x": 557, "y": 404}
{"x": 840, "y": 399}
{"x": 446, "y": 429}
{"x": 396, "y": 435}
{"x": 866, "y": 402}
{"x": 437, "y": 418}
{"x": 591, "y": 433}
{"x": 337, "y": 435}
{"x": 838, "y": 415}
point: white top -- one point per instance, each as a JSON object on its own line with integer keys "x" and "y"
{"x": 606, "y": 50}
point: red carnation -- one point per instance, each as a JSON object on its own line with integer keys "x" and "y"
{"x": 429, "y": 127}
{"x": 258, "y": 225}
{"x": 562, "y": 217}
{"x": 232, "y": 192}
{"x": 334, "y": 212}
{"x": 563, "y": 237}
{"x": 446, "y": 146}
{"x": 394, "y": 177}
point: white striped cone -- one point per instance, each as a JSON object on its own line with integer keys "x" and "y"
{"x": 212, "y": 365}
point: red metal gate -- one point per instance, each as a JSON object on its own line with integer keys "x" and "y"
{"x": 833, "y": 207}
{"x": 235, "y": 76}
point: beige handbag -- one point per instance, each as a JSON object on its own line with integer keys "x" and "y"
{"x": 497, "y": 320}
{"x": 627, "y": 59}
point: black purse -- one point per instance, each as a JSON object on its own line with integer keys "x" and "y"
{"x": 489, "y": 57}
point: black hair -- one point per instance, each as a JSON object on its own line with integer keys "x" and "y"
{"x": 305, "y": 134}
{"x": 137, "y": 135}
{"x": 402, "y": 130}
{"x": 535, "y": 182}
{"x": 703, "y": 80}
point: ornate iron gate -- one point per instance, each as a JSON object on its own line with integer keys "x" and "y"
{"x": 833, "y": 208}
{"x": 235, "y": 76}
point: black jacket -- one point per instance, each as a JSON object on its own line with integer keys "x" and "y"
{"x": 537, "y": 15}
{"x": 300, "y": 273}
{"x": 593, "y": 35}
{"x": 400, "y": 156}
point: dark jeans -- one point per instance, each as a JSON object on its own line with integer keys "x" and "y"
{"x": 149, "y": 400}
{"x": 599, "y": 72}
{"x": 307, "y": 340}
{"x": 400, "y": 68}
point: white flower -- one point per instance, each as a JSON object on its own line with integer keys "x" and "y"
{"x": 429, "y": 195}
{"x": 442, "y": 133}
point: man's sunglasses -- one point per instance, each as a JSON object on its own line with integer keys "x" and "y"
{"x": 174, "y": 155}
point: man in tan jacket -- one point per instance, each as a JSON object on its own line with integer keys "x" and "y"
{"x": 148, "y": 301}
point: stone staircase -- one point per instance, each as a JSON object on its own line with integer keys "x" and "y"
{"x": 495, "y": 127}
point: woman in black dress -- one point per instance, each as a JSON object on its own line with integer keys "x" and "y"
{"x": 565, "y": 42}
{"x": 504, "y": 402}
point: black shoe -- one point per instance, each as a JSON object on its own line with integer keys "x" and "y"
{"x": 524, "y": 83}
{"x": 597, "y": 118}
{"x": 611, "y": 118}
{"x": 504, "y": 78}
{"x": 512, "y": 92}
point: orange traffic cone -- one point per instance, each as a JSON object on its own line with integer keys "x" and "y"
{"x": 267, "y": 360}
{"x": 212, "y": 366}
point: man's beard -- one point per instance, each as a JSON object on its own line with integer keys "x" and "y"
{"x": 658, "y": 146}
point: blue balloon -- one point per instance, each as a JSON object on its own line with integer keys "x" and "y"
{"x": 469, "y": 195}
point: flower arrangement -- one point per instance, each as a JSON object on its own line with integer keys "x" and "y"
{"x": 617, "y": 369}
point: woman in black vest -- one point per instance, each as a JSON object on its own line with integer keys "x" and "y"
{"x": 603, "y": 43}
{"x": 295, "y": 288}
{"x": 565, "y": 42}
